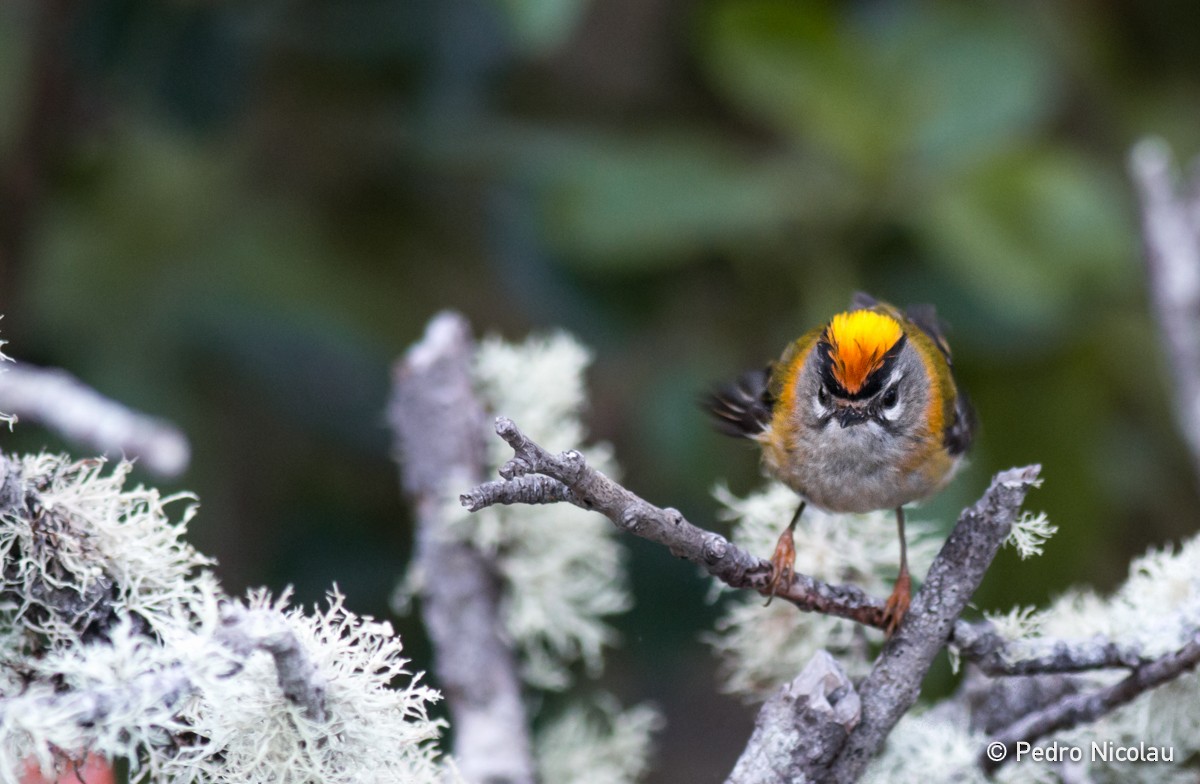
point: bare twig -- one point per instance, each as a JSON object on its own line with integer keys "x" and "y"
{"x": 800, "y": 729}
{"x": 894, "y": 683}
{"x": 1171, "y": 238}
{"x": 979, "y": 643}
{"x": 576, "y": 482}
{"x": 1077, "y": 709}
{"x": 438, "y": 424}
{"x": 64, "y": 404}
{"x": 532, "y": 489}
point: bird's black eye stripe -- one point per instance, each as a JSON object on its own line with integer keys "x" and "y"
{"x": 823, "y": 395}
{"x": 891, "y": 397}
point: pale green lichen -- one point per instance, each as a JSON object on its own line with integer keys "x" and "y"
{"x": 597, "y": 743}
{"x": 1018, "y": 623}
{"x": 101, "y": 545}
{"x": 927, "y": 748}
{"x": 1030, "y": 533}
{"x": 377, "y": 727}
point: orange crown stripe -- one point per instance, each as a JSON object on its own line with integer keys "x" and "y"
{"x": 858, "y": 341}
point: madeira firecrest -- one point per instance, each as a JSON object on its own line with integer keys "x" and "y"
{"x": 860, "y": 414}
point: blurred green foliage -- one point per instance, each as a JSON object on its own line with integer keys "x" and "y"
{"x": 236, "y": 214}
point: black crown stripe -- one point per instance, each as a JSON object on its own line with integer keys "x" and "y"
{"x": 873, "y": 382}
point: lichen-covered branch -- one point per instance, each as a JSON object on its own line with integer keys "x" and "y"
{"x": 67, "y": 713}
{"x": 438, "y": 424}
{"x": 1171, "y": 240}
{"x": 247, "y": 630}
{"x": 1076, "y": 709}
{"x": 578, "y": 483}
{"x": 980, "y": 644}
{"x": 242, "y": 632}
{"x": 115, "y": 640}
{"x": 81, "y": 415}
{"x": 161, "y": 705}
{"x": 79, "y": 549}
{"x": 894, "y": 683}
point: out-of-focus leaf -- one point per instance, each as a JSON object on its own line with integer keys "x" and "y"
{"x": 1029, "y": 234}
{"x": 916, "y": 82}
{"x": 138, "y": 209}
{"x": 971, "y": 82}
{"x": 541, "y": 26}
{"x": 161, "y": 224}
{"x": 657, "y": 200}
{"x": 790, "y": 65}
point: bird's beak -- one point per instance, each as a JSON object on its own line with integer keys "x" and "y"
{"x": 851, "y": 415}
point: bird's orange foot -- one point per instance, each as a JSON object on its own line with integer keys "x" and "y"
{"x": 783, "y": 563}
{"x": 897, "y": 603}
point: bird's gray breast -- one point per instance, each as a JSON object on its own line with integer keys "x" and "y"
{"x": 852, "y": 469}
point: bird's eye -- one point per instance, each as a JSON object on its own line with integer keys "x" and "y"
{"x": 891, "y": 397}
{"x": 823, "y": 396}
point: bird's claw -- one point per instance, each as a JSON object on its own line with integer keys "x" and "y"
{"x": 897, "y": 604}
{"x": 783, "y": 563}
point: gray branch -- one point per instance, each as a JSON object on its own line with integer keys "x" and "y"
{"x": 1171, "y": 238}
{"x": 979, "y": 643}
{"x": 1077, "y": 709}
{"x": 1007, "y": 681}
{"x": 80, "y": 414}
{"x": 439, "y": 427}
{"x": 988, "y": 704}
{"x": 573, "y": 480}
{"x": 894, "y": 683}
{"x": 533, "y": 489}
{"x": 801, "y": 728}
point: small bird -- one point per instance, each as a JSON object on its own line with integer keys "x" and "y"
{"x": 860, "y": 414}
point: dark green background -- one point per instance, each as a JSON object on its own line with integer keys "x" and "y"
{"x": 236, "y": 214}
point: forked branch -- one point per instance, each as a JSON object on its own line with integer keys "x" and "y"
{"x": 534, "y": 475}
{"x": 1076, "y": 709}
